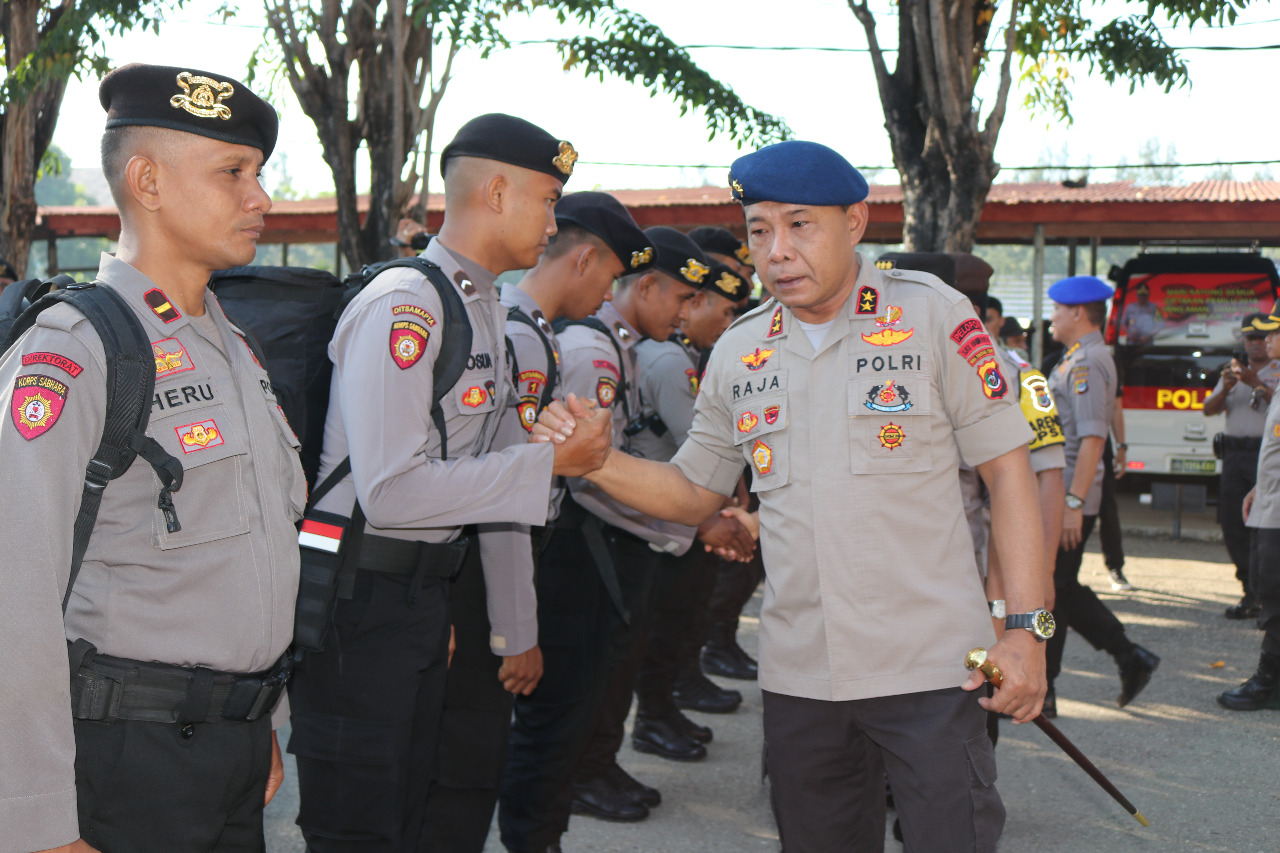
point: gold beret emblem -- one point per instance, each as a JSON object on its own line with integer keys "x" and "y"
{"x": 694, "y": 271}
{"x": 202, "y": 96}
{"x": 743, "y": 254}
{"x": 640, "y": 258}
{"x": 565, "y": 159}
{"x": 737, "y": 188}
{"x": 728, "y": 283}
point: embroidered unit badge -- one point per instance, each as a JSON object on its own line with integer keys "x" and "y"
{"x": 762, "y": 457}
{"x": 756, "y": 360}
{"x": 408, "y": 343}
{"x": 771, "y": 414}
{"x": 891, "y": 436}
{"x": 171, "y": 357}
{"x": 417, "y": 310}
{"x": 888, "y": 337}
{"x": 474, "y": 396}
{"x": 199, "y": 436}
{"x": 747, "y": 422}
{"x": 37, "y": 404}
{"x": 889, "y": 397}
{"x": 993, "y": 384}
{"x": 606, "y": 391}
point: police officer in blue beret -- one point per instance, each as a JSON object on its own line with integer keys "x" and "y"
{"x": 853, "y": 395}
{"x": 1084, "y": 386}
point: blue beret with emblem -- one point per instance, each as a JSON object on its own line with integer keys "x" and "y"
{"x": 1080, "y": 289}
{"x": 796, "y": 172}
{"x": 198, "y": 102}
{"x": 607, "y": 218}
{"x": 679, "y": 257}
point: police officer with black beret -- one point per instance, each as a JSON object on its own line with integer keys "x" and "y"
{"x": 180, "y": 619}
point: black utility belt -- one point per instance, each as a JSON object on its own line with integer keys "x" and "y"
{"x": 413, "y": 559}
{"x": 1241, "y": 442}
{"x": 111, "y": 688}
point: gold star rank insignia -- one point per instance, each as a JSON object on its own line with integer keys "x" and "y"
{"x": 868, "y": 300}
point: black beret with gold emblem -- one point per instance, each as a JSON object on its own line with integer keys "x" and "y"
{"x": 199, "y": 102}
{"x": 727, "y": 283}
{"x": 507, "y": 139}
{"x": 722, "y": 242}
{"x": 606, "y": 217}
{"x": 679, "y": 257}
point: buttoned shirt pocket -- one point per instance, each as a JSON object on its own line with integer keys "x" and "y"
{"x": 211, "y": 504}
{"x": 760, "y": 431}
{"x": 291, "y": 478}
{"x": 889, "y": 423}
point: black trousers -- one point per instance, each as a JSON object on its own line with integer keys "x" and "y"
{"x": 1109, "y": 536}
{"x": 827, "y": 762}
{"x": 637, "y": 564}
{"x": 682, "y": 587}
{"x": 1239, "y": 474}
{"x": 366, "y": 717}
{"x": 551, "y": 726}
{"x": 474, "y": 728}
{"x": 1077, "y": 606}
{"x": 1266, "y": 580}
{"x": 148, "y": 786}
{"x": 735, "y": 584}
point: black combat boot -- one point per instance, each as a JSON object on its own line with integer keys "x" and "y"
{"x": 1262, "y": 690}
{"x": 724, "y": 657}
{"x": 1136, "y": 666}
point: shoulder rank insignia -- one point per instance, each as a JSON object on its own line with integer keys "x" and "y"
{"x": 199, "y": 436}
{"x": 54, "y": 359}
{"x": 202, "y": 96}
{"x": 37, "y": 404}
{"x": 868, "y": 300}
{"x": 694, "y": 271}
{"x": 606, "y": 391}
{"x": 408, "y": 343}
{"x": 565, "y": 159}
{"x": 887, "y": 337}
{"x": 775, "y": 324}
{"x": 993, "y": 384}
{"x": 891, "y": 436}
{"x": 888, "y": 397}
{"x": 171, "y": 357}
{"x": 474, "y": 396}
{"x": 771, "y": 414}
{"x": 528, "y": 409}
{"x": 160, "y": 305}
{"x": 756, "y": 360}
{"x": 747, "y": 422}
{"x": 623, "y": 333}
{"x": 762, "y": 457}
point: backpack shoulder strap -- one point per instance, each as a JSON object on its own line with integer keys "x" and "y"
{"x": 553, "y": 372}
{"x": 130, "y": 385}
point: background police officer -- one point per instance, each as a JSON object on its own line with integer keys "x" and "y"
{"x": 177, "y": 623}
{"x": 1084, "y": 387}
{"x": 1243, "y": 392}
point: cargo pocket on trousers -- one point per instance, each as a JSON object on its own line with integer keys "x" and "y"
{"x": 988, "y": 811}
{"x": 349, "y": 782}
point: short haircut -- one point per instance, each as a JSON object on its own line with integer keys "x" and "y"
{"x": 121, "y": 143}
{"x": 1096, "y": 312}
{"x": 993, "y": 302}
{"x": 570, "y": 236}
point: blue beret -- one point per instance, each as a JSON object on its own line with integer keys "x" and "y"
{"x": 1079, "y": 289}
{"x": 796, "y": 172}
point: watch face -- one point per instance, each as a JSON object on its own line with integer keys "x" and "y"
{"x": 1042, "y": 624}
{"x": 1074, "y": 502}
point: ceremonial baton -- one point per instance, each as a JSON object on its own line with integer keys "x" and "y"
{"x": 977, "y": 659}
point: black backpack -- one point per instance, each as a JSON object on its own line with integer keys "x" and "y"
{"x": 131, "y": 378}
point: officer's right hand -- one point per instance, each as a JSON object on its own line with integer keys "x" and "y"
{"x": 521, "y": 673}
{"x": 589, "y": 440}
{"x": 1248, "y": 503}
{"x": 1230, "y": 375}
{"x": 77, "y": 846}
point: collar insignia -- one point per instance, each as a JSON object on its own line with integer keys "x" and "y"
{"x": 202, "y": 96}
{"x": 160, "y": 305}
{"x": 565, "y": 159}
{"x": 623, "y": 333}
{"x": 868, "y": 300}
{"x": 775, "y": 325}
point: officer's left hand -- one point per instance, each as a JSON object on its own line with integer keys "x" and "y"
{"x": 724, "y": 533}
{"x": 453, "y": 646}
{"x": 521, "y": 673}
{"x": 586, "y": 445}
{"x": 1072, "y": 526}
{"x": 1020, "y": 659}
{"x": 275, "y": 776}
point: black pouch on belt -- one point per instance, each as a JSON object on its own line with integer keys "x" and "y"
{"x": 328, "y": 544}
{"x": 1219, "y": 439}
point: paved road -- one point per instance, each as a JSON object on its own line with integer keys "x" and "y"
{"x": 1205, "y": 777}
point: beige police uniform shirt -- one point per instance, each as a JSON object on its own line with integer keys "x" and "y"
{"x": 383, "y": 351}
{"x": 1265, "y": 511}
{"x": 218, "y": 593}
{"x": 668, "y": 385}
{"x": 1242, "y": 419}
{"x": 1084, "y": 388}
{"x": 870, "y": 588}
{"x": 591, "y": 370}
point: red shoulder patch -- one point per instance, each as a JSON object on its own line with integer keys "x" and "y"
{"x": 606, "y": 391}
{"x": 965, "y": 329}
{"x": 52, "y": 358}
{"x": 528, "y": 409}
{"x": 408, "y": 343}
{"x": 607, "y": 365}
{"x": 37, "y": 404}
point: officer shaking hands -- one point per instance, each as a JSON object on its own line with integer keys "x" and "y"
{"x": 868, "y": 673}
{"x": 180, "y": 615}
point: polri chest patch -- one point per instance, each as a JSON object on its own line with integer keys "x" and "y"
{"x": 37, "y": 404}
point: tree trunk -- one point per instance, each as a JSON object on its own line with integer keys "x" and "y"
{"x": 18, "y": 155}
{"x": 945, "y": 160}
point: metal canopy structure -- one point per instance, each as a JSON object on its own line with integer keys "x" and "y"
{"x": 1120, "y": 212}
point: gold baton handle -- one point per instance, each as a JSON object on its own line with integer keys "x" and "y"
{"x": 977, "y": 659}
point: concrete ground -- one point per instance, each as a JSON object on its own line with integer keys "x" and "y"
{"x": 1205, "y": 777}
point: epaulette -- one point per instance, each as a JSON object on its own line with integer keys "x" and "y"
{"x": 928, "y": 279}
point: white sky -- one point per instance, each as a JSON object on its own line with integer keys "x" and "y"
{"x": 828, "y": 97}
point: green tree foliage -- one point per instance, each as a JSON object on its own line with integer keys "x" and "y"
{"x": 374, "y": 73}
{"x": 44, "y": 43}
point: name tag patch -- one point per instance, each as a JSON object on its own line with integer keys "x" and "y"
{"x": 37, "y": 404}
